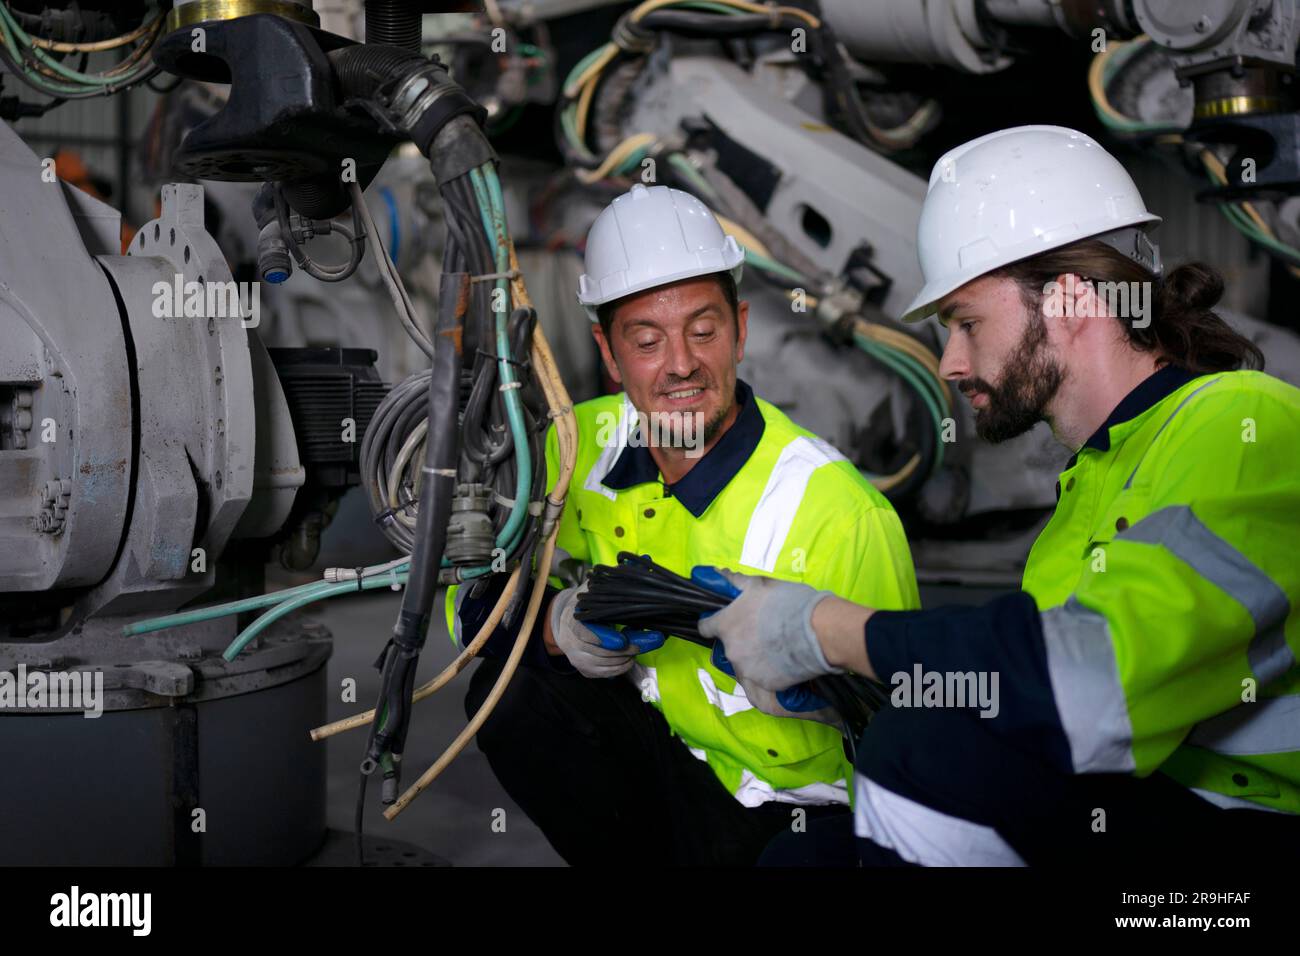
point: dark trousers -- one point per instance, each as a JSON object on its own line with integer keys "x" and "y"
{"x": 951, "y": 761}
{"x": 600, "y": 773}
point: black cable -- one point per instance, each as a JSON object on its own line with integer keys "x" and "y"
{"x": 638, "y": 593}
{"x": 358, "y": 820}
{"x": 710, "y": 26}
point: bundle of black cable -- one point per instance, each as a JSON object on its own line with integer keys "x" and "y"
{"x": 638, "y": 593}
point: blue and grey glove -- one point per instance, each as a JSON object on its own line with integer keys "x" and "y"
{"x": 596, "y": 650}
{"x": 766, "y": 631}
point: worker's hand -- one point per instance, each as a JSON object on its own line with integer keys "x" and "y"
{"x": 766, "y": 632}
{"x": 798, "y": 702}
{"x": 596, "y": 650}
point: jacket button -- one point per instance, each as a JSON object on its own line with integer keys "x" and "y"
{"x": 772, "y": 752}
{"x": 618, "y": 531}
{"x": 1240, "y": 779}
{"x": 1069, "y": 485}
{"x": 1121, "y": 524}
{"x": 649, "y": 512}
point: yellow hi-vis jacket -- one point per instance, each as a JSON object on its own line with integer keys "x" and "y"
{"x": 1168, "y": 581}
{"x": 769, "y": 498}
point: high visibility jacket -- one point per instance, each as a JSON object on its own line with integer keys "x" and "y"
{"x": 790, "y": 507}
{"x": 1168, "y": 581}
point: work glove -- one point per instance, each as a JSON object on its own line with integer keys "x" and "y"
{"x": 766, "y": 631}
{"x": 595, "y": 649}
{"x": 798, "y": 702}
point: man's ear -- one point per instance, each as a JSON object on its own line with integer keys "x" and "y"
{"x": 1076, "y": 303}
{"x": 742, "y": 328}
{"x": 606, "y": 353}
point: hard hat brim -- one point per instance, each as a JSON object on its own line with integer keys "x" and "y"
{"x": 926, "y": 301}
{"x": 591, "y": 305}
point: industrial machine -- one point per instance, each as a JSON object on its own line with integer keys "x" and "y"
{"x": 156, "y": 454}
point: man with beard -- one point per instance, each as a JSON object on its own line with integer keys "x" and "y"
{"x": 1149, "y": 698}
{"x": 626, "y": 746}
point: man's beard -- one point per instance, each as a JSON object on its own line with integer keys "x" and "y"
{"x": 698, "y": 432}
{"x": 1030, "y": 379}
{"x": 714, "y": 424}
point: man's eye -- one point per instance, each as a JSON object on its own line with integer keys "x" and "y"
{"x": 646, "y": 344}
{"x": 966, "y": 326}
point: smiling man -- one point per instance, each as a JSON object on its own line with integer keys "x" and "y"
{"x": 628, "y": 748}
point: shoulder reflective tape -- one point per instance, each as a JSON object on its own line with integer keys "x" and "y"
{"x": 609, "y": 454}
{"x": 770, "y": 523}
{"x": 1186, "y": 399}
{"x": 1089, "y": 696}
{"x": 1269, "y": 654}
{"x": 1270, "y": 725}
{"x": 921, "y": 834}
{"x": 1213, "y": 558}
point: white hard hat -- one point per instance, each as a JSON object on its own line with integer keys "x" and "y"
{"x": 1019, "y": 192}
{"x": 651, "y": 236}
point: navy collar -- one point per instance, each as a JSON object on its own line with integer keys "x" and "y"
{"x": 711, "y": 474}
{"x": 1157, "y": 386}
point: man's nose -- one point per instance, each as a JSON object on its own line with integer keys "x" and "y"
{"x": 682, "y": 361}
{"x": 955, "y": 364}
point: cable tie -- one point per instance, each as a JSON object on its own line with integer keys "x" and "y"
{"x": 392, "y": 576}
{"x": 628, "y": 38}
{"x": 439, "y": 472}
{"x": 507, "y": 386}
{"x": 493, "y": 276}
{"x": 509, "y": 361}
{"x": 560, "y": 412}
{"x": 552, "y": 516}
{"x": 359, "y": 573}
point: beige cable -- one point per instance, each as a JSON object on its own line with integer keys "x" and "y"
{"x": 112, "y": 43}
{"x": 451, "y": 670}
{"x": 566, "y": 429}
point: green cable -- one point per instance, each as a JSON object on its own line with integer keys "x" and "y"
{"x": 939, "y": 405}
{"x": 487, "y": 187}
{"x": 705, "y": 5}
{"x": 1113, "y": 66}
{"x": 569, "y": 123}
{"x": 199, "y": 615}
{"x": 687, "y": 169}
{"x": 1243, "y": 223}
{"x": 760, "y": 261}
{"x": 86, "y": 79}
{"x": 916, "y": 379}
{"x": 301, "y": 600}
{"x": 581, "y": 66}
{"x": 36, "y": 79}
{"x": 384, "y": 579}
{"x": 899, "y": 363}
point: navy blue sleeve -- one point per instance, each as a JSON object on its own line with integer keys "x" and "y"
{"x": 1000, "y": 642}
{"x": 474, "y": 610}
